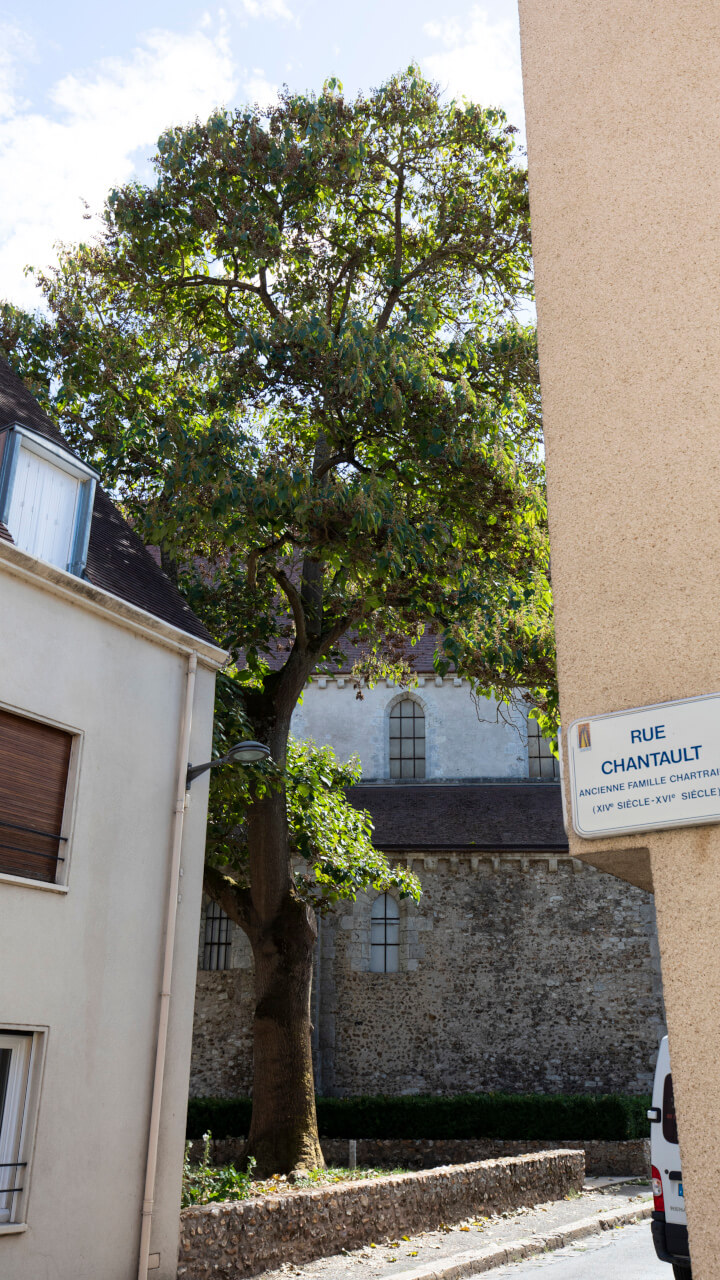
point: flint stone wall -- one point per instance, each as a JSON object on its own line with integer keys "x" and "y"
{"x": 601, "y": 1157}
{"x": 525, "y": 974}
{"x": 227, "y": 1241}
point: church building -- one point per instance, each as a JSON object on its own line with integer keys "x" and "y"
{"x": 520, "y": 969}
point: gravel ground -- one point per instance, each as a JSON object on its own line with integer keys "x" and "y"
{"x": 381, "y": 1260}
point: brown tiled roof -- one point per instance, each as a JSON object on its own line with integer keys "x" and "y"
{"x": 5, "y": 533}
{"x": 485, "y": 815}
{"x": 117, "y": 559}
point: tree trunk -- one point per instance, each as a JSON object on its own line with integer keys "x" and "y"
{"x": 283, "y": 1132}
{"x": 282, "y": 931}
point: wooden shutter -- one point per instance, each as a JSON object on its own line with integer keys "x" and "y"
{"x": 34, "y": 761}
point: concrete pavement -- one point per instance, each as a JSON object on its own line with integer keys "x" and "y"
{"x": 624, "y": 1254}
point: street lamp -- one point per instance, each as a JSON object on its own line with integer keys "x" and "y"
{"x": 247, "y": 752}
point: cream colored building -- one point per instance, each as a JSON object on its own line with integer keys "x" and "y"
{"x": 106, "y": 691}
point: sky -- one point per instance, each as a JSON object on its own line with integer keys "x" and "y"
{"x": 87, "y": 88}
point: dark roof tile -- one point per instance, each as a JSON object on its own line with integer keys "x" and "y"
{"x": 485, "y": 815}
{"x": 117, "y": 559}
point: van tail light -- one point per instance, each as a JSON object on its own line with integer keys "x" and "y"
{"x": 657, "y": 1190}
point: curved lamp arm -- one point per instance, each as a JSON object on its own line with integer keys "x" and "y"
{"x": 247, "y": 752}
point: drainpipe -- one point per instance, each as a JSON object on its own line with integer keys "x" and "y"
{"x": 166, "y": 985}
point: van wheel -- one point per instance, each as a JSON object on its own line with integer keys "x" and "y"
{"x": 681, "y": 1273}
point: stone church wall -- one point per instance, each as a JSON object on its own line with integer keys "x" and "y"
{"x": 465, "y": 738}
{"x": 517, "y": 973}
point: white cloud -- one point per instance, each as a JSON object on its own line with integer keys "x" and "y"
{"x": 15, "y": 47}
{"x": 272, "y": 9}
{"x": 52, "y": 163}
{"x": 480, "y": 61}
{"x": 259, "y": 89}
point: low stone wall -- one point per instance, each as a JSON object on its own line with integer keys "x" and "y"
{"x": 422, "y": 1153}
{"x": 600, "y": 1157}
{"x": 227, "y": 1241}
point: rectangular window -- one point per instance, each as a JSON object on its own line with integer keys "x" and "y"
{"x": 34, "y": 764}
{"x": 216, "y": 939}
{"x": 669, "y": 1118}
{"x": 46, "y": 498}
{"x": 43, "y": 505}
{"x": 541, "y": 761}
{"x": 385, "y": 935}
{"x": 407, "y": 740}
{"x": 15, "y": 1066}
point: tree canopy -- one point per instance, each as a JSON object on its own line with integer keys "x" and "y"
{"x": 299, "y": 344}
{"x": 296, "y": 357}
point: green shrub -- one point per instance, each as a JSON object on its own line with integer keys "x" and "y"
{"x": 223, "y": 1117}
{"x": 550, "y": 1117}
{"x": 204, "y": 1184}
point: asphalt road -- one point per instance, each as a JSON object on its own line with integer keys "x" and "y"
{"x": 625, "y": 1254}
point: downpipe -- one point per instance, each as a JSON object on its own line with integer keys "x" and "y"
{"x": 166, "y": 984}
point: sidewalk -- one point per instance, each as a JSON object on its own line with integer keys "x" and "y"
{"x": 480, "y": 1244}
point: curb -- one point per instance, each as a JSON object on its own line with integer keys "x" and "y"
{"x": 476, "y": 1261}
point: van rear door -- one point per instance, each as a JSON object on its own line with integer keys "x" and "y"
{"x": 665, "y": 1150}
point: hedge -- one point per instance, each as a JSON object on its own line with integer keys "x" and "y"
{"x": 612, "y": 1116}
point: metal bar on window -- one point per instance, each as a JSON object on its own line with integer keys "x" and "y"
{"x": 33, "y": 831}
{"x": 216, "y": 943}
{"x": 32, "y": 853}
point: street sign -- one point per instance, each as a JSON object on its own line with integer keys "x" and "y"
{"x": 647, "y": 768}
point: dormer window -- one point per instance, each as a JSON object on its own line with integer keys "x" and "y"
{"x": 46, "y": 498}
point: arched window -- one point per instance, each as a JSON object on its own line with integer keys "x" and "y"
{"x": 216, "y": 942}
{"x": 541, "y": 761}
{"x": 407, "y": 740}
{"x": 385, "y": 935}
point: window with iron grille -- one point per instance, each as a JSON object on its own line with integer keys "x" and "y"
{"x": 20, "y": 1056}
{"x": 385, "y": 935}
{"x": 34, "y": 765}
{"x": 407, "y": 740}
{"x": 541, "y": 761}
{"x": 216, "y": 940}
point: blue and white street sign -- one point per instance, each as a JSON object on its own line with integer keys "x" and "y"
{"x": 646, "y": 769}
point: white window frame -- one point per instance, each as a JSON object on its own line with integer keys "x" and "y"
{"x": 382, "y": 949}
{"x": 18, "y": 1121}
{"x": 395, "y": 717}
{"x": 18, "y": 437}
{"x": 543, "y": 756}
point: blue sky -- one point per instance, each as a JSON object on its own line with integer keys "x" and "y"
{"x": 86, "y": 88}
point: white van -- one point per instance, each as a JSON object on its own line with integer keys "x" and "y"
{"x": 669, "y": 1220}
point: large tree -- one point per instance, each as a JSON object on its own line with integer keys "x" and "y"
{"x": 296, "y": 356}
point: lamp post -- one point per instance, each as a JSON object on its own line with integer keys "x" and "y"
{"x": 247, "y": 752}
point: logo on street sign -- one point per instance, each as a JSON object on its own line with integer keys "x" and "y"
{"x": 647, "y": 768}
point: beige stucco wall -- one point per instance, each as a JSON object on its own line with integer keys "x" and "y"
{"x": 623, "y": 123}
{"x": 86, "y": 963}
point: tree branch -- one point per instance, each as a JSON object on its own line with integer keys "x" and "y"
{"x": 293, "y": 596}
{"x": 234, "y": 900}
{"x": 231, "y": 285}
